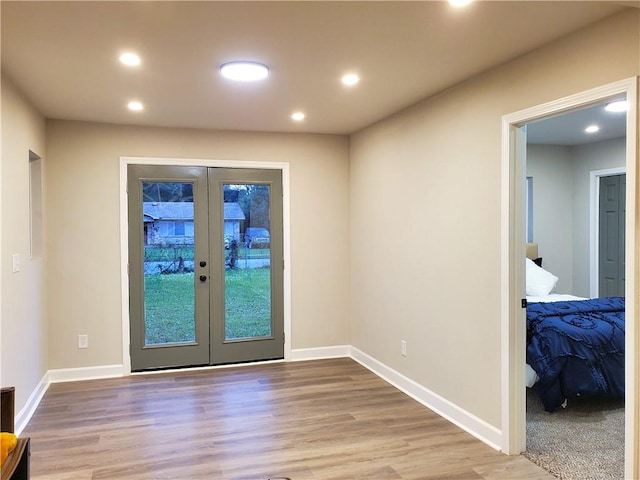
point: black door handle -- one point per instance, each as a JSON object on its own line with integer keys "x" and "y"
{"x": 203, "y": 263}
{"x": 203, "y": 278}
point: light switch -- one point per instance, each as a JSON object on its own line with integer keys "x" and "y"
{"x": 16, "y": 262}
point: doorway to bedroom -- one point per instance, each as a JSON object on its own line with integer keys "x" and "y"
{"x": 576, "y": 214}
{"x": 205, "y": 245}
{"x": 577, "y": 272}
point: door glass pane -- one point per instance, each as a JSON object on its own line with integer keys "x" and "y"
{"x": 169, "y": 285}
{"x": 247, "y": 251}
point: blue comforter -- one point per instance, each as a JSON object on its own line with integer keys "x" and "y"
{"x": 576, "y": 348}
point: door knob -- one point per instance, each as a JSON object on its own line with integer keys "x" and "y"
{"x": 203, "y": 278}
{"x": 203, "y": 263}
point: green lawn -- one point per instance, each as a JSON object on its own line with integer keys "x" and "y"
{"x": 169, "y": 308}
{"x": 248, "y": 303}
{"x": 169, "y": 305}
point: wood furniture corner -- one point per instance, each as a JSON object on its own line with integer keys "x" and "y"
{"x": 16, "y": 466}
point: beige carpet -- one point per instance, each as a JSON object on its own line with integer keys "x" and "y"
{"x": 584, "y": 441}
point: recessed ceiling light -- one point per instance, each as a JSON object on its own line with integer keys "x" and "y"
{"x": 350, "y": 79}
{"x": 592, "y": 129}
{"x": 135, "y": 106}
{"x": 130, "y": 59}
{"x": 617, "y": 106}
{"x": 244, "y": 71}
{"x": 298, "y": 116}
{"x": 459, "y": 3}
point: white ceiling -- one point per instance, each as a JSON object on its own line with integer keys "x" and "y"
{"x": 64, "y": 56}
{"x": 568, "y": 129}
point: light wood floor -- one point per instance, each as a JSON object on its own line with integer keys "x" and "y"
{"x": 326, "y": 419}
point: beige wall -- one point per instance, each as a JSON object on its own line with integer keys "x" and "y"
{"x": 22, "y": 320}
{"x": 425, "y": 215}
{"x": 84, "y": 242}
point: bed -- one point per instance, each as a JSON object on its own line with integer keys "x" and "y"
{"x": 575, "y": 346}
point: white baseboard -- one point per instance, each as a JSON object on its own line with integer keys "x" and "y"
{"x": 25, "y": 414}
{"x": 468, "y": 422}
{"x": 475, "y": 426}
{"x": 60, "y": 375}
{"x": 336, "y": 351}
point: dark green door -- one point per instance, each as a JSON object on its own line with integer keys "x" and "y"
{"x": 611, "y": 258}
{"x": 205, "y": 266}
{"x": 247, "y": 265}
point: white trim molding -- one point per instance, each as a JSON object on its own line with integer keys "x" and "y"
{"x": 319, "y": 353}
{"x": 468, "y": 422}
{"x": 61, "y": 375}
{"x": 58, "y": 376}
{"x": 512, "y": 276}
{"x": 25, "y": 414}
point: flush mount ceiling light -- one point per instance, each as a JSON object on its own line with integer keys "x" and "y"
{"x": 459, "y": 3}
{"x": 350, "y": 79}
{"x": 130, "y": 59}
{"x": 297, "y": 116}
{"x": 592, "y": 129}
{"x": 135, "y": 106}
{"x": 617, "y": 106}
{"x": 244, "y": 71}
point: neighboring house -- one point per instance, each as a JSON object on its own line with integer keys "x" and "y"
{"x": 232, "y": 216}
{"x": 172, "y": 222}
{"x": 168, "y": 223}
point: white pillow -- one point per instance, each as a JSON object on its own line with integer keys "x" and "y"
{"x": 539, "y": 281}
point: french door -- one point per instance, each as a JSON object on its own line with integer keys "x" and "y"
{"x": 205, "y": 266}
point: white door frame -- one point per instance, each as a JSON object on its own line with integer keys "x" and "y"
{"x": 513, "y": 338}
{"x": 199, "y": 162}
{"x": 594, "y": 223}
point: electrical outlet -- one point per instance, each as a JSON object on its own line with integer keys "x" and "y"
{"x": 83, "y": 341}
{"x": 403, "y": 348}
